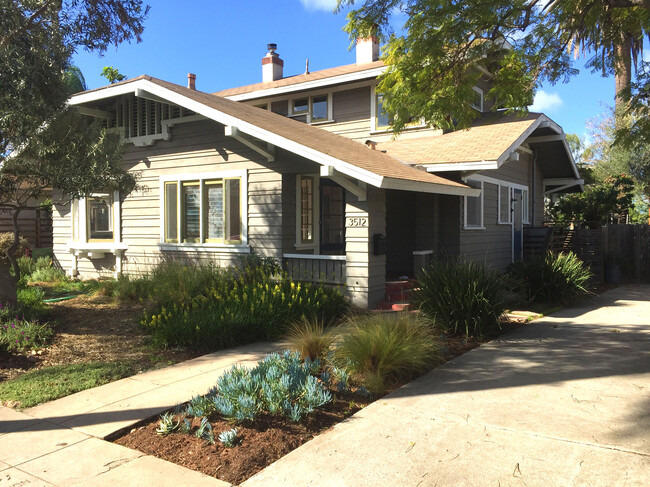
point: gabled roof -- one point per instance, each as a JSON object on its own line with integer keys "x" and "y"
{"x": 487, "y": 144}
{"x": 343, "y": 155}
{"x": 324, "y": 77}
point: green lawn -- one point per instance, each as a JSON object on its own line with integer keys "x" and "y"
{"x": 47, "y": 384}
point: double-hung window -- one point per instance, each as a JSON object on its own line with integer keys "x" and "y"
{"x": 307, "y": 188}
{"x": 505, "y": 204}
{"x": 204, "y": 210}
{"x": 474, "y": 207}
{"x": 477, "y": 100}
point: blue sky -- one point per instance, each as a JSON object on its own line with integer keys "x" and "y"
{"x": 223, "y": 42}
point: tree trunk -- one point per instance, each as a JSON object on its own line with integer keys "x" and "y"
{"x": 8, "y": 295}
{"x": 622, "y": 74}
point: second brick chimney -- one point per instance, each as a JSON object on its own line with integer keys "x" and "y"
{"x": 272, "y": 65}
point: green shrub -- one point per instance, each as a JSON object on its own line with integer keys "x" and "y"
{"x": 21, "y": 335}
{"x": 310, "y": 338}
{"x": 378, "y": 348}
{"x": 30, "y": 301}
{"x": 279, "y": 384}
{"x": 235, "y": 311}
{"x": 552, "y": 278}
{"x": 6, "y": 239}
{"x": 461, "y": 297}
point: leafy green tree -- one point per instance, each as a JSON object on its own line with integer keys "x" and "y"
{"x": 598, "y": 204}
{"x": 449, "y": 45}
{"x": 112, "y": 74}
{"x": 43, "y": 144}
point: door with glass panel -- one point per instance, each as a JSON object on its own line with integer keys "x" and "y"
{"x": 332, "y": 218}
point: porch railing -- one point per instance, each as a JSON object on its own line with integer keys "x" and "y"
{"x": 325, "y": 269}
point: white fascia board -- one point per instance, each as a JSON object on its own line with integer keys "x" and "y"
{"x": 461, "y": 166}
{"x": 102, "y": 94}
{"x": 422, "y": 187}
{"x": 309, "y": 85}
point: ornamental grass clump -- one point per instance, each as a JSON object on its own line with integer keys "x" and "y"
{"x": 461, "y": 297}
{"x": 553, "y": 278}
{"x": 311, "y": 338}
{"x": 381, "y": 348}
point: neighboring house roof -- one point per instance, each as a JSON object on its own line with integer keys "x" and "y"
{"x": 487, "y": 144}
{"x": 322, "y": 78}
{"x": 340, "y": 153}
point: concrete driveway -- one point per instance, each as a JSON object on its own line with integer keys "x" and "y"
{"x": 561, "y": 402}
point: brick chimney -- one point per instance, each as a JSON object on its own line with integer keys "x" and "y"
{"x": 367, "y": 49}
{"x": 272, "y": 65}
{"x": 191, "y": 81}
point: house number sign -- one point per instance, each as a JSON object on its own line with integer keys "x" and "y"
{"x": 357, "y": 222}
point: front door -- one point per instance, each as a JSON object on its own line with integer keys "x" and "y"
{"x": 517, "y": 225}
{"x": 332, "y": 218}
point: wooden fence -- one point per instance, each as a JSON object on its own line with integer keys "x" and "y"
{"x": 627, "y": 253}
{"x": 35, "y": 227}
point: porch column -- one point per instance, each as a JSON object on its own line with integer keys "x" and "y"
{"x": 365, "y": 273}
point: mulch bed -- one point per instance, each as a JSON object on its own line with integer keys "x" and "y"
{"x": 93, "y": 328}
{"x": 262, "y": 442}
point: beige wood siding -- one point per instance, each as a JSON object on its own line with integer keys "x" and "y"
{"x": 198, "y": 147}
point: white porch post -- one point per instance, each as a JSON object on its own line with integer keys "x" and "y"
{"x": 365, "y": 272}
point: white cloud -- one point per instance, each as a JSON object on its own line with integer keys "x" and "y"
{"x": 546, "y": 102}
{"x": 327, "y": 5}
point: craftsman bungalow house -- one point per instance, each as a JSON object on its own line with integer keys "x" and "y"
{"x": 305, "y": 169}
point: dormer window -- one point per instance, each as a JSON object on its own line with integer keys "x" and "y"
{"x": 477, "y": 101}
{"x": 314, "y": 109}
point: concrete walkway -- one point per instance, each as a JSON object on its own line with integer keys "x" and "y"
{"x": 564, "y": 401}
{"x": 59, "y": 443}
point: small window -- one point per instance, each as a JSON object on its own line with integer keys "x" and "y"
{"x": 300, "y": 106}
{"x": 233, "y": 215}
{"x": 100, "y": 216}
{"x": 382, "y": 121}
{"x": 171, "y": 212}
{"x": 505, "y": 213}
{"x": 525, "y": 213}
{"x": 474, "y": 207}
{"x": 319, "y": 108}
{"x": 213, "y": 194}
{"x": 306, "y": 209}
{"x": 477, "y": 101}
{"x": 191, "y": 212}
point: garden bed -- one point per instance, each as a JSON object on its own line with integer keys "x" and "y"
{"x": 266, "y": 439}
{"x": 262, "y": 442}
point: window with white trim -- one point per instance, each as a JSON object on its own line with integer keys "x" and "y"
{"x": 505, "y": 204}
{"x": 206, "y": 210}
{"x": 94, "y": 217}
{"x": 307, "y": 187}
{"x": 477, "y": 101}
{"x": 316, "y": 108}
{"x": 474, "y": 206}
{"x": 525, "y": 213}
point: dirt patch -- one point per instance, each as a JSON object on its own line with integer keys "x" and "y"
{"x": 262, "y": 442}
{"x": 93, "y": 328}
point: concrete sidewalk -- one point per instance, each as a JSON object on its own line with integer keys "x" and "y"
{"x": 59, "y": 443}
{"x": 563, "y": 401}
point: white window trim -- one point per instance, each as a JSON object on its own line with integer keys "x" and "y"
{"x": 481, "y": 226}
{"x": 241, "y": 247}
{"x": 512, "y": 186}
{"x": 373, "y": 116}
{"x": 509, "y": 221}
{"x": 83, "y": 240}
{"x": 315, "y": 245}
{"x": 480, "y": 92}
{"x": 308, "y": 114}
{"x": 525, "y": 201}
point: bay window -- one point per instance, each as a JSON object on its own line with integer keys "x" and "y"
{"x": 94, "y": 217}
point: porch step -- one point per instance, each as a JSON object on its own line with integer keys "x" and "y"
{"x": 389, "y": 306}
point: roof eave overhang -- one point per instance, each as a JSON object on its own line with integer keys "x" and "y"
{"x": 462, "y": 166}
{"x": 309, "y": 85}
{"x": 350, "y": 170}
